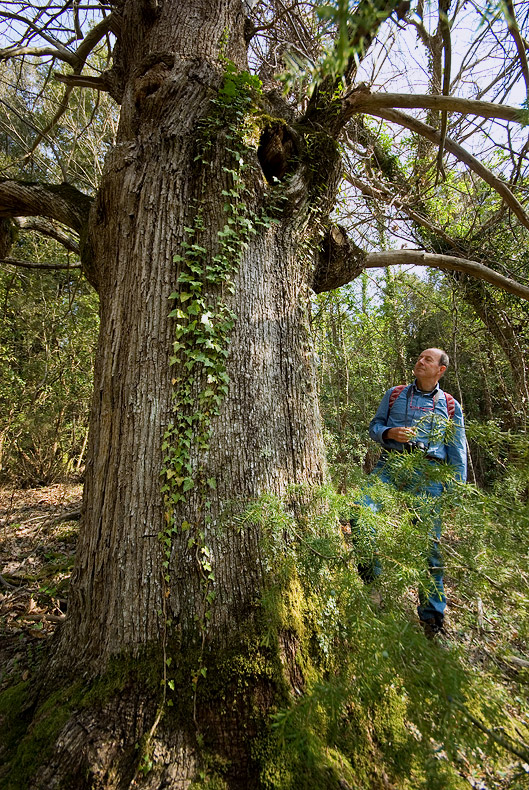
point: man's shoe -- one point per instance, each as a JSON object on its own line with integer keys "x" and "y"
{"x": 432, "y": 627}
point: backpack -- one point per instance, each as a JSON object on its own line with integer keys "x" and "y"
{"x": 450, "y": 400}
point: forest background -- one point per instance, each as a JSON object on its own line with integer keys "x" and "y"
{"x": 406, "y": 713}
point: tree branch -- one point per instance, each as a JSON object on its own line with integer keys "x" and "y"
{"x": 33, "y": 265}
{"x": 83, "y": 81}
{"x": 60, "y": 202}
{"x": 341, "y": 261}
{"x": 446, "y": 263}
{"x": 514, "y": 30}
{"x": 37, "y": 52}
{"x": 47, "y": 229}
{"x": 77, "y": 61}
{"x": 362, "y": 100}
{"x": 444, "y": 26}
{"x": 378, "y": 192}
{"x": 394, "y": 116}
{"x": 109, "y": 24}
{"x": 58, "y": 50}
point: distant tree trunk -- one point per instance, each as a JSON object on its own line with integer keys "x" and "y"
{"x": 498, "y": 322}
{"x": 266, "y": 438}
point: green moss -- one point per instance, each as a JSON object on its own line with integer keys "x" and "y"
{"x": 29, "y": 743}
{"x": 306, "y": 762}
{"x": 320, "y": 154}
{"x": 11, "y": 725}
{"x": 29, "y": 733}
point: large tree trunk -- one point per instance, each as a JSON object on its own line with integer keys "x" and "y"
{"x": 126, "y": 606}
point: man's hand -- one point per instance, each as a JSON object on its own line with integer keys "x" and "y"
{"x": 400, "y": 434}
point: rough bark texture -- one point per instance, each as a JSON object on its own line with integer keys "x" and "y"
{"x": 266, "y": 438}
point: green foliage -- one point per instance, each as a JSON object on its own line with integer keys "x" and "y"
{"x": 462, "y": 704}
{"x": 368, "y": 336}
{"x": 49, "y": 319}
{"x": 380, "y": 699}
{"x": 344, "y": 28}
{"x": 49, "y": 326}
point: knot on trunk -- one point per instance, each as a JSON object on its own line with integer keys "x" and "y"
{"x": 339, "y": 261}
{"x": 151, "y": 75}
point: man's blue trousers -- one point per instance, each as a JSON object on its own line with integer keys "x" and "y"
{"x": 432, "y": 601}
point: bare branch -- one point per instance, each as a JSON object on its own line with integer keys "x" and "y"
{"x": 59, "y": 50}
{"x": 444, "y": 27}
{"x": 38, "y": 52}
{"x": 83, "y": 81}
{"x": 378, "y": 192}
{"x": 33, "y": 265}
{"x": 364, "y": 101}
{"x": 77, "y": 61}
{"x": 94, "y": 36}
{"x": 341, "y": 261}
{"x": 460, "y": 153}
{"x": 375, "y": 260}
{"x": 514, "y": 30}
{"x": 46, "y": 228}
{"x": 82, "y": 53}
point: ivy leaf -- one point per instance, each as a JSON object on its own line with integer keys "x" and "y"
{"x": 229, "y": 88}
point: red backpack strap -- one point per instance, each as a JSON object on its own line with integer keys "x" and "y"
{"x": 394, "y": 394}
{"x": 450, "y": 405}
{"x": 450, "y": 400}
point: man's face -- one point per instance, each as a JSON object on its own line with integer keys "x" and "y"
{"x": 428, "y": 365}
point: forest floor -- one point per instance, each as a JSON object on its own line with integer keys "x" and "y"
{"x": 38, "y": 535}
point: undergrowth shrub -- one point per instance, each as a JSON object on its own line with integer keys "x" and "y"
{"x": 382, "y": 706}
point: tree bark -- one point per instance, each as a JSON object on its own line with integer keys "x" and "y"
{"x": 266, "y": 437}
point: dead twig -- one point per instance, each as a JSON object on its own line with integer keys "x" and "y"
{"x": 48, "y": 618}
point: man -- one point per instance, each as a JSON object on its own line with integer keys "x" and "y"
{"x": 421, "y": 417}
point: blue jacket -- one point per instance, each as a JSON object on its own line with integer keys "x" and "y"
{"x": 413, "y": 407}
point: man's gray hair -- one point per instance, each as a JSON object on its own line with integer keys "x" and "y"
{"x": 444, "y": 359}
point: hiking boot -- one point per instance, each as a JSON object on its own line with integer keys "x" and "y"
{"x": 432, "y": 627}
